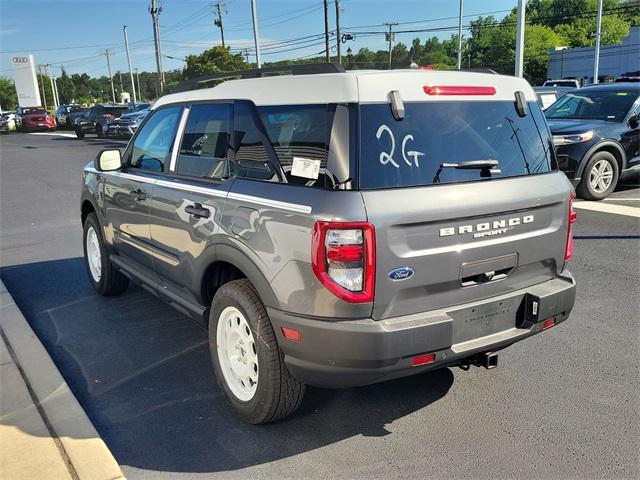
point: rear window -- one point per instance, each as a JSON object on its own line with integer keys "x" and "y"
{"x": 116, "y": 111}
{"x": 610, "y": 105}
{"x": 31, "y": 111}
{"x": 416, "y": 150}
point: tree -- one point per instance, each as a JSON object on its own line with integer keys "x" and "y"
{"x": 8, "y": 96}
{"x": 215, "y": 60}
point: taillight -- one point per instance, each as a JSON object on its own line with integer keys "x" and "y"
{"x": 458, "y": 90}
{"x": 344, "y": 259}
{"x": 568, "y": 250}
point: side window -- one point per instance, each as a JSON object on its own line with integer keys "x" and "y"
{"x": 205, "y": 143}
{"x": 251, "y": 156}
{"x": 152, "y": 146}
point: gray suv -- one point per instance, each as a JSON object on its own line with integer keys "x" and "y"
{"x": 339, "y": 229}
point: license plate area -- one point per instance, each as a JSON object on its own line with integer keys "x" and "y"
{"x": 486, "y": 319}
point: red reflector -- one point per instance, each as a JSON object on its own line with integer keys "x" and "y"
{"x": 291, "y": 334}
{"x": 423, "y": 359}
{"x": 458, "y": 90}
{"x": 346, "y": 253}
{"x": 568, "y": 250}
{"x": 548, "y": 323}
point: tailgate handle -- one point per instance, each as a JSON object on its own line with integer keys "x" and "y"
{"x": 489, "y": 270}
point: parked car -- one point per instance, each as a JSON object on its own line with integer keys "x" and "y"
{"x": 565, "y": 82}
{"x": 627, "y": 79}
{"x": 339, "y": 229}
{"x": 127, "y": 124}
{"x": 95, "y": 119}
{"x": 67, "y": 114}
{"x": 11, "y": 120}
{"x": 29, "y": 119}
{"x": 548, "y": 95}
{"x": 4, "y": 124}
{"x": 596, "y": 135}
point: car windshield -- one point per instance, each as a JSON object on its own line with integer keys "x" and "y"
{"x": 74, "y": 108}
{"x": 433, "y": 138}
{"x": 116, "y": 111}
{"x": 140, "y": 106}
{"x": 610, "y": 105}
{"x": 30, "y": 111}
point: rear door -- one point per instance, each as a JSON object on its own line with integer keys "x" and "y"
{"x": 187, "y": 205}
{"x": 445, "y": 235}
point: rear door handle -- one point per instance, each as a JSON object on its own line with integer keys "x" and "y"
{"x": 138, "y": 194}
{"x": 197, "y": 210}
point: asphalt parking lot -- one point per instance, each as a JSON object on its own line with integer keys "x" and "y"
{"x": 563, "y": 404}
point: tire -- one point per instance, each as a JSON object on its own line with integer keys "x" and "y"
{"x": 98, "y": 129}
{"x": 79, "y": 133}
{"x": 108, "y": 281}
{"x": 277, "y": 393}
{"x": 601, "y": 168}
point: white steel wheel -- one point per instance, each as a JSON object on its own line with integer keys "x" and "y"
{"x": 94, "y": 257}
{"x": 601, "y": 176}
{"x": 237, "y": 353}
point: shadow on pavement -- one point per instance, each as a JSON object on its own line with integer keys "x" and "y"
{"x": 142, "y": 373}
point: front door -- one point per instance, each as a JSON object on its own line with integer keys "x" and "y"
{"x": 128, "y": 192}
{"x": 186, "y": 209}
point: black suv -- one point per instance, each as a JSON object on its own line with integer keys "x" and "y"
{"x": 66, "y": 115}
{"x": 595, "y": 131}
{"x": 95, "y": 119}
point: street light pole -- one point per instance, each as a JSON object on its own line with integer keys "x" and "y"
{"x": 138, "y": 83}
{"x": 256, "y": 33}
{"x": 460, "y": 36}
{"x": 520, "y": 38}
{"x": 126, "y": 46}
{"x": 390, "y": 38}
{"x": 596, "y": 61}
{"x": 338, "y": 40}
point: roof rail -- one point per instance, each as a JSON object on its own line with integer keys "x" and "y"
{"x": 294, "y": 69}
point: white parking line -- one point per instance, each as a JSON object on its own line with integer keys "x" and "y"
{"x": 608, "y": 208}
{"x": 54, "y": 134}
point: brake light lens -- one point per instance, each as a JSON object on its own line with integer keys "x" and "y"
{"x": 423, "y": 359}
{"x": 568, "y": 251}
{"x": 458, "y": 90}
{"x": 343, "y": 259}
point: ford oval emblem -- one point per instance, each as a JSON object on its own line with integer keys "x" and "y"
{"x": 401, "y": 273}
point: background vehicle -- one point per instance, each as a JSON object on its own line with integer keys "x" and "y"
{"x": 29, "y": 119}
{"x": 128, "y": 123}
{"x": 11, "y": 120}
{"x": 95, "y": 119}
{"x": 628, "y": 79}
{"x": 67, "y": 114}
{"x": 548, "y": 95}
{"x": 565, "y": 82}
{"x": 4, "y": 124}
{"x": 339, "y": 229}
{"x": 596, "y": 135}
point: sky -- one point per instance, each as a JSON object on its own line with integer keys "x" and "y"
{"x": 75, "y": 33}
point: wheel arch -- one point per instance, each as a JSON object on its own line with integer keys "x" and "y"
{"x": 606, "y": 146}
{"x": 225, "y": 263}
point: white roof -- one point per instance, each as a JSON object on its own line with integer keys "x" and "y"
{"x": 354, "y": 86}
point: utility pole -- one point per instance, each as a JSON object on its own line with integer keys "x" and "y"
{"x": 246, "y": 54}
{"x": 107, "y": 53}
{"x": 53, "y": 88}
{"x": 126, "y": 46}
{"x": 44, "y": 97}
{"x": 596, "y": 61}
{"x": 256, "y": 33}
{"x": 138, "y": 84}
{"x": 218, "y": 22}
{"x": 121, "y": 86}
{"x": 520, "y": 38}
{"x": 338, "y": 39}
{"x": 460, "y": 36}
{"x": 155, "y": 10}
{"x": 326, "y": 31}
{"x": 390, "y": 36}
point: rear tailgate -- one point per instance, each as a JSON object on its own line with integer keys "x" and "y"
{"x": 455, "y": 237}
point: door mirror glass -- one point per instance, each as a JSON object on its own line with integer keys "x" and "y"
{"x": 108, "y": 160}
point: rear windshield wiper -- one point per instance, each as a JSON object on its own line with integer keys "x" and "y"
{"x": 474, "y": 165}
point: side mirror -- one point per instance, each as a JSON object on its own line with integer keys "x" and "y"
{"x": 108, "y": 160}
{"x": 634, "y": 121}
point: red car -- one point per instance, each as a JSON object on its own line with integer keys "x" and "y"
{"x": 29, "y": 119}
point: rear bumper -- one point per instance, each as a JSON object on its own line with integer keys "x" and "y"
{"x": 346, "y": 353}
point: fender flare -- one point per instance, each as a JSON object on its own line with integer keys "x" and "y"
{"x": 598, "y": 146}
{"x": 222, "y": 252}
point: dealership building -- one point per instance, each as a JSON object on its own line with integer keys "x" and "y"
{"x": 615, "y": 60}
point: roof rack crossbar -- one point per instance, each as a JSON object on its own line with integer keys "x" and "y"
{"x": 295, "y": 69}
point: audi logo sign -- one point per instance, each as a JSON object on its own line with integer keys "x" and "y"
{"x": 25, "y": 79}
{"x": 20, "y": 59}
